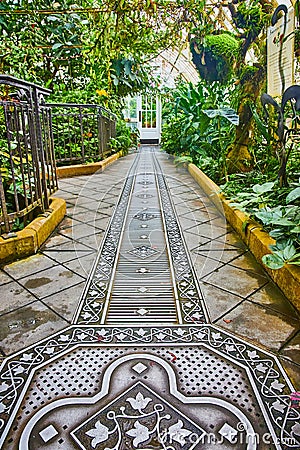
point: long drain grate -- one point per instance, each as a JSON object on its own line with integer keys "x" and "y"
{"x": 143, "y": 272}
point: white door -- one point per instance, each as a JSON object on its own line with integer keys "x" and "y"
{"x": 149, "y": 118}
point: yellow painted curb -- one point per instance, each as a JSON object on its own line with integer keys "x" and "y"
{"x": 28, "y": 241}
{"x": 257, "y": 240}
{"x": 86, "y": 169}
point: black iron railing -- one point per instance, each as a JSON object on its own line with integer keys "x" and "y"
{"x": 27, "y": 163}
{"x": 81, "y": 132}
{"x": 34, "y": 136}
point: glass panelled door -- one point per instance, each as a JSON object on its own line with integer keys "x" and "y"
{"x": 149, "y": 120}
{"x": 130, "y": 112}
{"x": 144, "y": 112}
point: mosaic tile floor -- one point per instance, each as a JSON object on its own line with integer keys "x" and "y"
{"x": 148, "y": 350}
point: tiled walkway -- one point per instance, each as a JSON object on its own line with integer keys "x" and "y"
{"x": 165, "y": 345}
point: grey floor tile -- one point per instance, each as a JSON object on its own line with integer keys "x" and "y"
{"x": 204, "y": 265}
{"x": 68, "y": 196}
{"x": 4, "y": 277}
{"x": 222, "y": 244}
{"x": 31, "y": 265}
{"x": 189, "y": 224}
{"x": 54, "y": 240}
{"x": 106, "y": 208}
{"x": 72, "y": 189}
{"x": 248, "y": 262}
{"x": 91, "y": 216}
{"x": 233, "y": 239}
{"x": 50, "y": 281}
{"x": 221, "y": 222}
{"x": 194, "y": 204}
{"x": 82, "y": 266}
{"x": 194, "y": 240}
{"x": 68, "y": 222}
{"x": 199, "y": 216}
{"x": 14, "y": 296}
{"x": 189, "y": 192}
{"x": 93, "y": 242}
{"x": 263, "y": 326}
{"x": 210, "y": 230}
{"x": 218, "y": 302}
{"x": 80, "y": 231}
{"x": 75, "y": 210}
{"x": 270, "y": 295}
{"x": 223, "y": 255}
{"x": 177, "y": 188}
{"x": 94, "y": 205}
{"x": 291, "y": 349}
{"x": 27, "y": 326}
{"x": 236, "y": 281}
{"x": 65, "y": 302}
{"x": 68, "y": 251}
{"x": 293, "y": 372}
{"x": 100, "y": 223}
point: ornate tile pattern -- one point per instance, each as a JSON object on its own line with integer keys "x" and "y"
{"x": 163, "y": 386}
{"x": 142, "y": 351}
{"x": 187, "y": 299}
{"x": 98, "y": 285}
{"x": 143, "y": 251}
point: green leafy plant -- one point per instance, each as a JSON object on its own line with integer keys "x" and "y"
{"x": 125, "y": 139}
{"x": 282, "y": 221}
{"x": 198, "y": 124}
{"x": 284, "y": 252}
{"x": 254, "y": 199}
{"x": 215, "y": 56}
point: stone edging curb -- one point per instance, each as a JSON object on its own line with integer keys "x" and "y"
{"x": 86, "y": 169}
{"x": 29, "y": 240}
{"x": 257, "y": 240}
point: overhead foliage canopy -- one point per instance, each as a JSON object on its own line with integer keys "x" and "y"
{"x": 106, "y": 45}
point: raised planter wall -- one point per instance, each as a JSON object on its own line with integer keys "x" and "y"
{"x": 86, "y": 169}
{"x": 28, "y": 241}
{"x": 256, "y": 239}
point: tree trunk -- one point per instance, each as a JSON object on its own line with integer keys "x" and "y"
{"x": 239, "y": 158}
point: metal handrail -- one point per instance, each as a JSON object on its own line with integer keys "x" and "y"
{"x": 85, "y": 105}
{"x": 35, "y": 135}
{"x": 85, "y": 133}
{"x": 28, "y": 177}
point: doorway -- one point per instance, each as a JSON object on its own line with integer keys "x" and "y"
{"x": 144, "y": 113}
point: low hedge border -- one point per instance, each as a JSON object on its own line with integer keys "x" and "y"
{"x": 257, "y": 240}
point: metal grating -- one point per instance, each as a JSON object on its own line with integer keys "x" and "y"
{"x": 143, "y": 271}
{"x": 142, "y": 289}
{"x": 203, "y": 378}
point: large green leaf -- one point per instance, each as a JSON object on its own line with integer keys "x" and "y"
{"x": 283, "y": 221}
{"x": 228, "y": 113}
{"x": 293, "y": 195}
{"x": 273, "y": 261}
{"x": 266, "y": 216}
{"x": 261, "y": 126}
{"x": 57, "y": 46}
{"x": 262, "y": 188}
